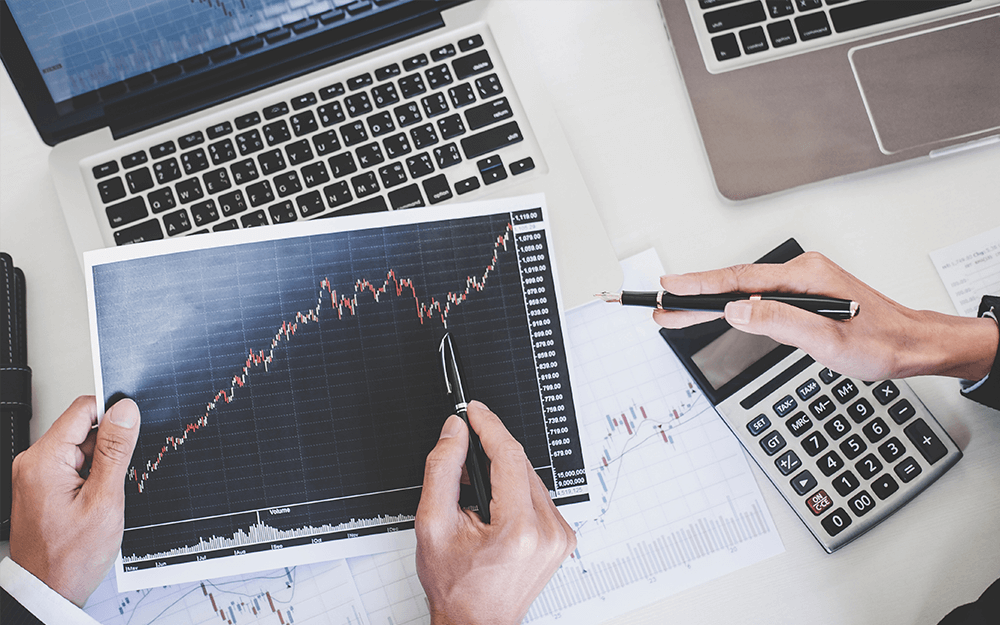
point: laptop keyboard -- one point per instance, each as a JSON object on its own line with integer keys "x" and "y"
{"x": 771, "y": 28}
{"x": 398, "y": 137}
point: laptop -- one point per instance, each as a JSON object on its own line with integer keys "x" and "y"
{"x": 790, "y": 92}
{"x": 170, "y": 119}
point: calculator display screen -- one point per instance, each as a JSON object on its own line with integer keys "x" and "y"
{"x": 729, "y": 355}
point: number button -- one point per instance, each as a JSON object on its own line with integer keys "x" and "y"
{"x": 853, "y": 447}
{"x": 860, "y": 410}
{"x": 837, "y": 427}
{"x": 807, "y": 390}
{"x": 845, "y": 391}
{"x": 784, "y": 407}
{"x": 907, "y": 469}
{"x": 901, "y": 411}
{"x": 885, "y": 392}
{"x": 758, "y": 425}
{"x": 822, "y": 408}
{"x": 862, "y": 503}
{"x": 868, "y": 466}
{"x": 814, "y": 443}
{"x": 884, "y": 486}
{"x": 876, "y": 430}
{"x": 891, "y": 450}
{"x": 772, "y": 443}
{"x": 845, "y": 483}
{"x": 836, "y": 522}
{"x": 830, "y": 463}
{"x": 803, "y": 482}
{"x": 788, "y": 462}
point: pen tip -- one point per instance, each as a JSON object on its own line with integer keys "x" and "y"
{"x": 607, "y": 296}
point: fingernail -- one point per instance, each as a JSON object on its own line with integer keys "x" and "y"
{"x": 124, "y": 414}
{"x": 451, "y": 428}
{"x": 738, "y": 312}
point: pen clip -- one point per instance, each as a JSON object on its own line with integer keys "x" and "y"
{"x": 444, "y": 361}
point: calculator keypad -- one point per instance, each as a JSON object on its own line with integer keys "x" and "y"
{"x": 844, "y": 453}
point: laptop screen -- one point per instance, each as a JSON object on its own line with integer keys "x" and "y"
{"x": 81, "y": 46}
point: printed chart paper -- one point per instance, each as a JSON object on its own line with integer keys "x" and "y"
{"x": 970, "y": 269}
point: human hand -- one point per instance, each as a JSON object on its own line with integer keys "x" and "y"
{"x": 885, "y": 340}
{"x": 66, "y": 529}
{"x": 475, "y": 573}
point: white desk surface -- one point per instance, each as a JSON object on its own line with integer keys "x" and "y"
{"x": 651, "y": 184}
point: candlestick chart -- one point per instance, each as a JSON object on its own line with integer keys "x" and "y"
{"x": 291, "y": 389}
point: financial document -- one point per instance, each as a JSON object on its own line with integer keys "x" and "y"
{"x": 970, "y": 269}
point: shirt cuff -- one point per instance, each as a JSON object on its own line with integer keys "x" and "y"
{"x": 971, "y": 387}
{"x": 46, "y": 604}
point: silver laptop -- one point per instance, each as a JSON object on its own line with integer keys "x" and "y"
{"x": 790, "y": 92}
{"x": 178, "y": 118}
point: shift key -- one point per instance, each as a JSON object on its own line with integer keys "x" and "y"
{"x": 492, "y": 140}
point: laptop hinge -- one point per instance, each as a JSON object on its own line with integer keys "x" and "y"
{"x": 241, "y": 76}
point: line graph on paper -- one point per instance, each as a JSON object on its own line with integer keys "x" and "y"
{"x": 290, "y": 388}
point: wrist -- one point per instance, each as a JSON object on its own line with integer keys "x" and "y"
{"x": 958, "y": 347}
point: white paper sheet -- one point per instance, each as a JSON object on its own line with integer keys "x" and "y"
{"x": 970, "y": 269}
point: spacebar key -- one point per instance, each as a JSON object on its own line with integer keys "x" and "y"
{"x": 861, "y": 14}
{"x": 492, "y": 140}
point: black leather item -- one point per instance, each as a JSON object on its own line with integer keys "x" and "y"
{"x": 15, "y": 382}
{"x": 988, "y": 393}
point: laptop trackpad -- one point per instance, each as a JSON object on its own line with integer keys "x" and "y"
{"x": 932, "y": 86}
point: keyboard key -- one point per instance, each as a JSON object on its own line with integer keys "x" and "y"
{"x": 891, "y": 450}
{"x": 419, "y": 165}
{"x": 799, "y": 424}
{"x": 359, "y": 81}
{"x": 407, "y": 197}
{"x": 204, "y": 213}
{"x": 249, "y": 142}
{"x": 434, "y": 104}
{"x": 303, "y": 101}
{"x": 328, "y": 93}
{"x": 166, "y": 171}
{"x": 358, "y": 104}
{"x": 133, "y": 160}
{"x": 788, "y": 462}
{"x": 489, "y": 86}
{"x": 217, "y": 181}
{"x": 353, "y": 133}
{"x": 298, "y": 152}
{"x": 145, "y": 231}
{"x": 396, "y": 145}
{"x": 462, "y": 95}
{"x": 286, "y": 184}
{"x": 254, "y": 219}
{"x": 726, "y": 47}
{"x": 191, "y": 140}
{"x": 758, "y": 425}
{"x": 219, "y": 130}
{"x": 885, "y": 392}
{"x": 437, "y": 189}
{"x": 315, "y": 174}
{"x": 232, "y": 203}
{"x": 232, "y": 224}
{"x": 836, "y": 522}
{"x": 447, "y": 155}
{"x": 129, "y": 211}
{"x": 803, "y": 482}
{"x": 451, "y": 127}
{"x": 781, "y": 33}
{"x": 105, "y": 169}
{"x": 364, "y": 184}
{"x": 260, "y": 193}
{"x": 415, "y": 62}
{"x": 271, "y": 162}
{"x": 469, "y": 43}
{"x": 245, "y": 121}
{"x": 491, "y": 140}
{"x": 472, "y": 64}
{"x": 245, "y": 171}
{"x": 161, "y": 200}
{"x": 862, "y": 503}
{"x": 772, "y": 443}
{"x": 846, "y": 483}
{"x": 176, "y": 222}
{"x": 814, "y": 443}
{"x": 337, "y": 194}
{"x": 837, "y": 427}
{"x": 189, "y": 190}
{"x": 876, "y": 430}
{"x": 275, "y": 110}
{"x": 303, "y": 123}
{"x": 330, "y": 114}
{"x": 111, "y": 190}
{"x": 387, "y": 72}
{"x": 785, "y": 406}
{"x": 385, "y": 95}
{"x": 369, "y": 155}
{"x": 819, "y": 502}
{"x": 282, "y": 212}
{"x": 901, "y": 411}
{"x": 380, "y": 124}
{"x": 869, "y": 466}
{"x": 845, "y": 391}
{"x": 860, "y": 410}
{"x": 492, "y": 170}
{"x": 438, "y": 76}
{"x": 853, "y": 446}
{"x": 410, "y": 86}
{"x": 806, "y": 390}
{"x": 222, "y": 151}
{"x": 342, "y": 165}
{"x": 465, "y": 186}
{"x": 162, "y": 149}
{"x": 392, "y": 175}
{"x": 907, "y": 469}
{"x": 822, "y": 407}
{"x": 862, "y": 14}
{"x": 310, "y": 204}
{"x": 443, "y": 52}
{"x": 830, "y": 463}
{"x": 326, "y": 142}
{"x": 194, "y": 161}
{"x": 779, "y": 8}
{"x": 735, "y": 17}
{"x": 489, "y": 113}
{"x": 813, "y": 26}
{"x": 277, "y": 132}
{"x": 828, "y": 376}
{"x": 139, "y": 180}
{"x": 423, "y": 136}
{"x": 808, "y": 5}
{"x": 753, "y": 40}
{"x": 407, "y": 115}
{"x": 927, "y": 442}
{"x": 521, "y": 166}
{"x": 884, "y": 486}
{"x": 374, "y": 205}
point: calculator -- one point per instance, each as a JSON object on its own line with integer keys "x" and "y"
{"x": 844, "y": 453}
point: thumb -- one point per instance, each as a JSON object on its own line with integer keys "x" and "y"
{"x": 443, "y": 475}
{"x": 116, "y": 438}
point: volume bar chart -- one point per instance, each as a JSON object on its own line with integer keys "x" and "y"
{"x": 290, "y": 387}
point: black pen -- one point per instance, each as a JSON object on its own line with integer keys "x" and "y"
{"x": 831, "y": 307}
{"x": 477, "y": 464}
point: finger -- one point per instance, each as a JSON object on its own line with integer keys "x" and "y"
{"x": 683, "y": 318}
{"x": 509, "y": 473}
{"x": 116, "y": 438}
{"x": 560, "y": 537}
{"x": 786, "y": 324}
{"x": 73, "y": 426}
{"x": 438, "y": 505}
{"x": 809, "y": 273}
